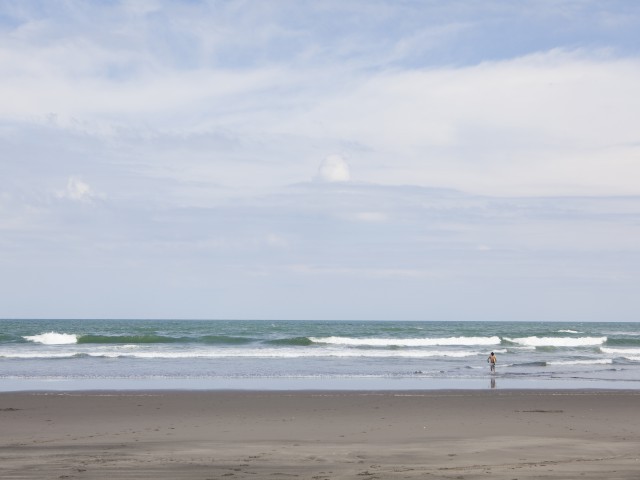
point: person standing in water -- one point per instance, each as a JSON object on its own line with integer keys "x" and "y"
{"x": 492, "y": 362}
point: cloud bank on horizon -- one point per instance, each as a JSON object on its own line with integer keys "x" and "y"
{"x": 298, "y": 159}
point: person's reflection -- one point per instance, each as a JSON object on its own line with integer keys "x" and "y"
{"x": 493, "y": 382}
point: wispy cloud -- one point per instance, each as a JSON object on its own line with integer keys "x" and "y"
{"x": 423, "y": 148}
{"x": 556, "y": 122}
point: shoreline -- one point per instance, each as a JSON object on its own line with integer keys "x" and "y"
{"x": 321, "y": 434}
{"x": 487, "y": 382}
{"x": 322, "y": 391}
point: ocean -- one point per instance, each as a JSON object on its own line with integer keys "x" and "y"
{"x": 277, "y": 355}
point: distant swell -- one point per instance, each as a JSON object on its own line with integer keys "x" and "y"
{"x": 225, "y": 340}
{"x": 297, "y": 341}
{"x": 126, "y": 339}
{"x": 624, "y": 342}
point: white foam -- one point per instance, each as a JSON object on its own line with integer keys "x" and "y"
{"x": 27, "y": 355}
{"x": 558, "y": 342}
{"x": 296, "y": 353}
{"x": 606, "y": 361}
{"x": 53, "y": 338}
{"x": 243, "y": 353}
{"x": 632, "y": 354}
{"x": 568, "y": 331}
{"x": 622, "y": 351}
{"x": 407, "y": 342}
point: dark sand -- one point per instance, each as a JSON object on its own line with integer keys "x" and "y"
{"x": 493, "y": 434}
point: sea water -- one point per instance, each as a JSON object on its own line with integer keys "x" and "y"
{"x": 234, "y": 354}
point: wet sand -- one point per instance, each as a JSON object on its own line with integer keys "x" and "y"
{"x": 498, "y": 434}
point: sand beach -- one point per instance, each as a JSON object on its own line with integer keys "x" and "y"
{"x": 498, "y": 434}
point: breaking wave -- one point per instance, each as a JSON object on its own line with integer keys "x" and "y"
{"x": 558, "y": 341}
{"x": 53, "y": 338}
{"x": 407, "y": 342}
{"x": 603, "y": 361}
{"x": 243, "y": 353}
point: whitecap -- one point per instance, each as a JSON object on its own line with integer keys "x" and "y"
{"x": 622, "y": 351}
{"x": 53, "y": 338}
{"x": 632, "y": 354}
{"x": 27, "y": 355}
{"x": 276, "y": 353}
{"x": 558, "y": 341}
{"x": 407, "y": 342}
{"x": 606, "y": 361}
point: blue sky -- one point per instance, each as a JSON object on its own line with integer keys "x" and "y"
{"x": 418, "y": 160}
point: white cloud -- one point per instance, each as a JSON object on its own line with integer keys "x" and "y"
{"x": 334, "y": 168}
{"x": 194, "y": 115}
{"x": 77, "y": 190}
{"x": 553, "y": 122}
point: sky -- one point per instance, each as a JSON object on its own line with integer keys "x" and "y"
{"x": 292, "y": 159}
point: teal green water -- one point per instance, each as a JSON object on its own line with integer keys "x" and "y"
{"x": 315, "y": 354}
